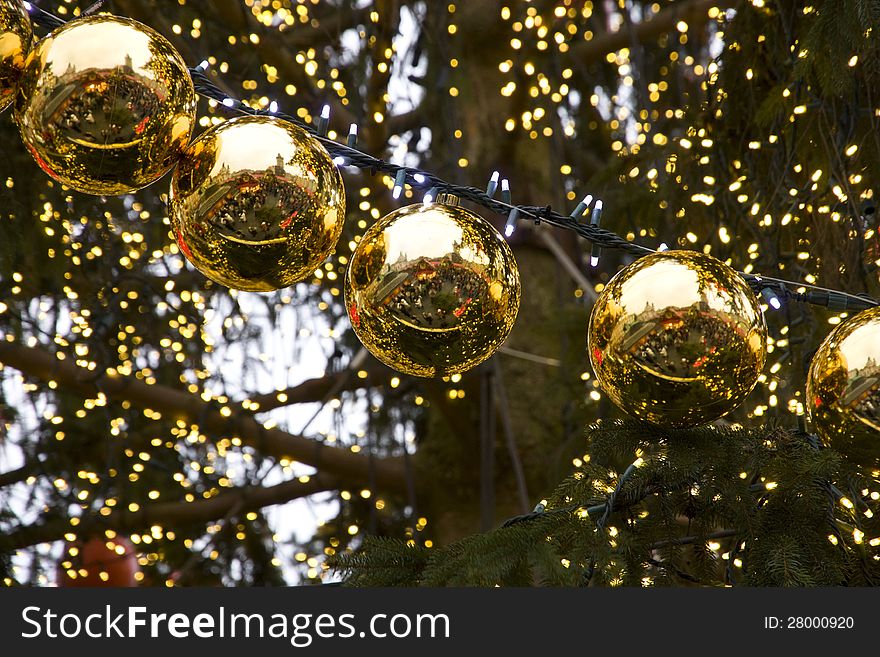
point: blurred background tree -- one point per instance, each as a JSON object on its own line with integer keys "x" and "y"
{"x": 242, "y": 438}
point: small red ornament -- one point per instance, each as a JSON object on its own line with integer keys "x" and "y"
{"x": 99, "y": 562}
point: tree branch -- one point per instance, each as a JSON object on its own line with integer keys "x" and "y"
{"x": 693, "y": 12}
{"x": 279, "y": 48}
{"x": 386, "y": 473}
{"x": 398, "y": 124}
{"x": 169, "y": 514}
{"x": 316, "y": 390}
{"x": 14, "y": 476}
{"x": 330, "y": 26}
{"x": 690, "y": 540}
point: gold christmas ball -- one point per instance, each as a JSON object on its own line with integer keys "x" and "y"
{"x": 105, "y": 105}
{"x": 843, "y": 389}
{"x": 677, "y": 338}
{"x": 257, "y": 204}
{"x": 16, "y": 34}
{"x": 432, "y": 289}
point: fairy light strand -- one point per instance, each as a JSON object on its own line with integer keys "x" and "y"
{"x": 347, "y": 155}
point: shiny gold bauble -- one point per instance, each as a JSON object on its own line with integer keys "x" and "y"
{"x": 16, "y": 34}
{"x": 432, "y": 289}
{"x": 843, "y": 389}
{"x": 677, "y": 338}
{"x": 257, "y": 204}
{"x": 105, "y": 105}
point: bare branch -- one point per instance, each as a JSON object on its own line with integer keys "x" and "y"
{"x": 316, "y": 390}
{"x": 14, "y": 476}
{"x": 169, "y": 514}
{"x": 386, "y": 473}
{"x": 398, "y": 124}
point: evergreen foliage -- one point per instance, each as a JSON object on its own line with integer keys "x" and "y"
{"x": 710, "y": 506}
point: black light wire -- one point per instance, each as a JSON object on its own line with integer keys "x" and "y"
{"x": 429, "y": 182}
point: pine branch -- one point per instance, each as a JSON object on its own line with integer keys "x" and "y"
{"x": 382, "y": 562}
{"x": 613, "y": 524}
{"x": 690, "y": 540}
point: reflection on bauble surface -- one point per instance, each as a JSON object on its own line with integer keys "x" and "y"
{"x": 432, "y": 289}
{"x": 677, "y": 338}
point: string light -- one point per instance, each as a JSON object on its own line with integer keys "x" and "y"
{"x": 648, "y": 130}
{"x": 599, "y": 237}
{"x": 324, "y": 120}
{"x": 595, "y": 219}
{"x": 581, "y": 207}
{"x": 399, "y": 182}
{"x": 510, "y": 226}
{"x": 771, "y": 298}
{"x": 493, "y": 185}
